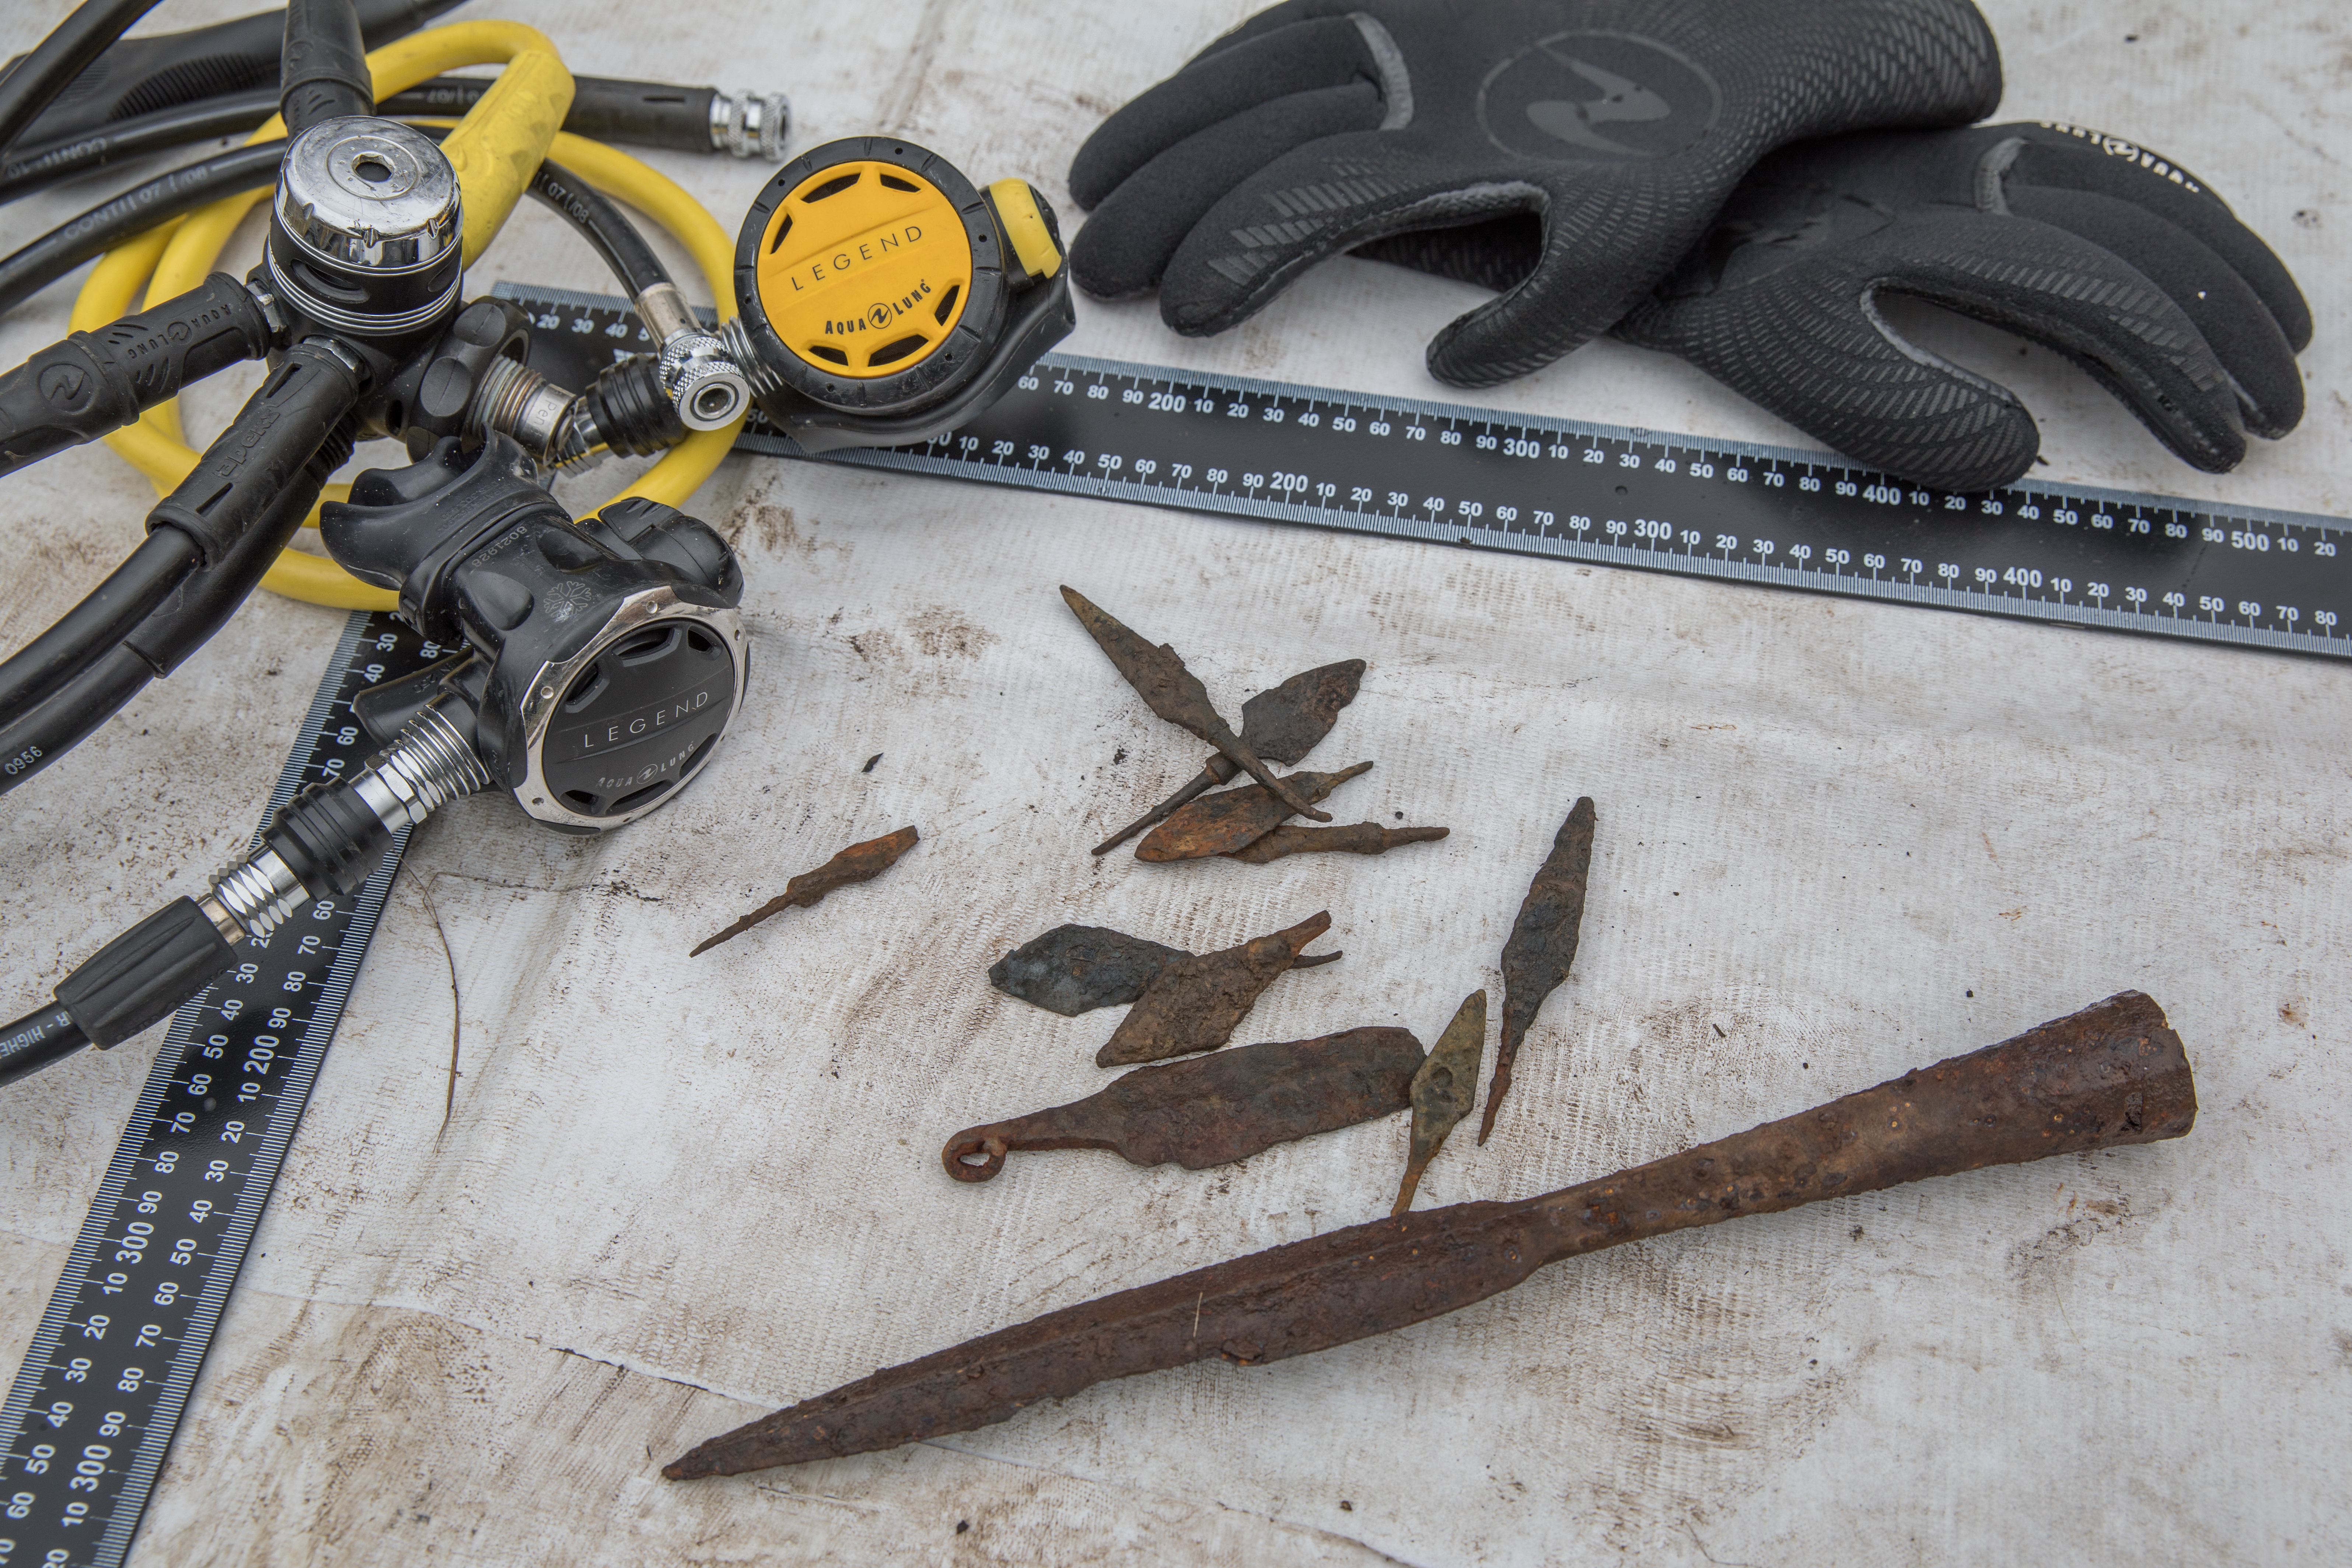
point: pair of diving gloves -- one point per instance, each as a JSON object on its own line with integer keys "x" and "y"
{"x": 1734, "y": 182}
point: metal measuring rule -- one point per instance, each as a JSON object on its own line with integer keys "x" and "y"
{"x": 92, "y": 1412}
{"x": 1451, "y": 474}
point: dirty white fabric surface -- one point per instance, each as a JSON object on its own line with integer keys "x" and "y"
{"x": 1837, "y": 841}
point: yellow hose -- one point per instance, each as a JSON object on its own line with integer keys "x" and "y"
{"x": 488, "y": 150}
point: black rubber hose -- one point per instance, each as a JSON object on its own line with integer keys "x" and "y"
{"x": 638, "y": 114}
{"x": 325, "y": 74}
{"x": 134, "y": 213}
{"x": 162, "y": 70}
{"x": 274, "y": 443}
{"x": 32, "y": 166}
{"x": 180, "y": 625}
{"x": 36, "y": 1040}
{"x": 184, "y": 190}
{"x": 68, "y": 715}
{"x": 36, "y": 79}
{"x": 103, "y": 618}
{"x": 609, "y": 108}
{"x": 601, "y": 225}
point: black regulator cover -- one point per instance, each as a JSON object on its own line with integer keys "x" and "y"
{"x": 606, "y": 656}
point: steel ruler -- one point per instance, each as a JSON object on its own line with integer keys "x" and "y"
{"x": 92, "y": 1412}
{"x": 1451, "y": 474}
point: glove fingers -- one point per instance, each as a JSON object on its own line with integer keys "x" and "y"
{"x": 2046, "y": 284}
{"x": 1230, "y": 80}
{"x": 1806, "y": 344}
{"x": 2056, "y": 161}
{"x": 1494, "y": 254}
{"x": 1127, "y": 243}
{"x": 1585, "y": 278}
{"x": 1314, "y": 202}
{"x": 2228, "y": 312}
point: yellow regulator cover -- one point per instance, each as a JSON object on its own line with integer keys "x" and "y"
{"x": 884, "y": 299}
{"x": 864, "y": 269}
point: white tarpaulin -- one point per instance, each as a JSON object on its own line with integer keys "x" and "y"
{"x": 1836, "y": 840}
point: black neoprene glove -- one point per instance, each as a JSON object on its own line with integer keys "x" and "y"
{"x": 2114, "y": 256}
{"x": 1321, "y": 124}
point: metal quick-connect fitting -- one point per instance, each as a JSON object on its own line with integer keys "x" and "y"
{"x": 429, "y": 765}
{"x": 748, "y": 122}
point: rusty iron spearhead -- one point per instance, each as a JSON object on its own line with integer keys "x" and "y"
{"x": 1542, "y": 944}
{"x": 1281, "y": 726}
{"x": 1444, "y": 1090}
{"x": 1235, "y": 819}
{"x": 1359, "y": 838}
{"x": 858, "y": 863}
{"x": 1174, "y": 692}
{"x": 1195, "y": 1003}
{"x": 1074, "y": 969}
{"x": 1212, "y": 1110}
{"x": 2110, "y": 1075}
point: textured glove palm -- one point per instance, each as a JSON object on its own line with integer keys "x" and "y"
{"x": 2111, "y": 254}
{"x": 1320, "y": 125}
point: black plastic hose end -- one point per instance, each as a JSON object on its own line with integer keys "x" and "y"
{"x": 145, "y": 974}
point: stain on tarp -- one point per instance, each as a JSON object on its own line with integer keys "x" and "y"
{"x": 2113, "y": 1074}
{"x": 1213, "y": 1109}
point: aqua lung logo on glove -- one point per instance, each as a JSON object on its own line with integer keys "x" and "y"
{"x": 2129, "y": 152}
{"x": 1606, "y": 95}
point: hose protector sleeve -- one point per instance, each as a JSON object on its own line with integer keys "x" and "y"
{"x": 145, "y": 974}
{"x": 94, "y": 383}
{"x": 249, "y": 465}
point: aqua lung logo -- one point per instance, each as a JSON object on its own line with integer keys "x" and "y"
{"x": 1609, "y": 96}
{"x": 881, "y": 314}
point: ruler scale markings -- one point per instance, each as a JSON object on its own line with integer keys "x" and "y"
{"x": 151, "y": 1271}
{"x": 1406, "y": 467}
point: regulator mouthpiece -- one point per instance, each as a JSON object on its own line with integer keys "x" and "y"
{"x": 884, "y": 299}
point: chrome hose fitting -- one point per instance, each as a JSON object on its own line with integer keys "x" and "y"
{"x": 329, "y": 838}
{"x": 736, "y": 339}
{"x": 516, "y": 400}
{"x": 748, "y": 122}
{"x": 705, "y": 384}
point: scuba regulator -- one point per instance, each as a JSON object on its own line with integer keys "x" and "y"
{"x": 884, "y": 300}
{"x": 596, "y": 664}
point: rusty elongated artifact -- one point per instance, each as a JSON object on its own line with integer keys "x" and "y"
{"x": 1542, "y": 944}
{"x": 1075, "y": 969}
{"x": 1444, "y": 1090}
{"x": 1221, "y": 824}
{"x": 1358, "y": 839}
{"x": 1281, "y": 726}
{"x": 1195, "y": 1003}
{"x": 1213, "y": 1109}
{"x": 1174, "y": 692}
{"x": 858, "y": 863}
{"x": 2109, "y": 1075}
